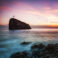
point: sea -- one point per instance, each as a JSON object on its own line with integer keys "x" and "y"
{"x": 10, "y": 40}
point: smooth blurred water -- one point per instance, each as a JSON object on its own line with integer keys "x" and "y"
{"x": 10, "y": 40}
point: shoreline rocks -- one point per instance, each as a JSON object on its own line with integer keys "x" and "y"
{"x": 39, "y": 51}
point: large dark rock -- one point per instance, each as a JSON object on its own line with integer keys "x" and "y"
{"x": 15, "y": 24}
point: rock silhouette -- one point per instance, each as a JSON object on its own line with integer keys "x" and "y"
{"x": 15, "y": 24}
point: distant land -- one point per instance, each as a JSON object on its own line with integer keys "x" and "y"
{"x": 35, "y": 26}
{"x": 3, "y": 27}
{"x": 45, "y": 26}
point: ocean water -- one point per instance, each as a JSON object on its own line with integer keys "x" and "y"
{"x": 10, "y": 39}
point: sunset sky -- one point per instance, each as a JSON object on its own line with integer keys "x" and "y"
{"x": 33, "y": 12}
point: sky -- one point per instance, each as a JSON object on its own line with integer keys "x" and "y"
{"x": 33, "y": 12}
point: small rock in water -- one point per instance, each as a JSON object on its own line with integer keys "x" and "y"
{"x": 25, "y": 43}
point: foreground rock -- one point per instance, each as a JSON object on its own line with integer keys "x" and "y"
{"x": 24, "y": 54}
{"x": 39, "y": 51}
{"x": 15, "y": 24}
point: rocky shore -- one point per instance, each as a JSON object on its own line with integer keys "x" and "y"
{"x": 38, "y": 51}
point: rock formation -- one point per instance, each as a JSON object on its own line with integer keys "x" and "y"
{"x": 38, "y": 51}
{"x": 15, "y": 24}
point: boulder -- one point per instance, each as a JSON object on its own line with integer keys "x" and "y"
{"x": 15, "y": 24}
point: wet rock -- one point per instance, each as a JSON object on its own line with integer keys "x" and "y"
{"x": 56, "y": 45}
{"x": 38, "y": 46}
{"x": 41, "y": 46}
{"x": 15, "y": 24}
{"x": 56, "y": 50}
{"x": 50, "y": 48}
{"x": 24, "y": 54}
{"x": 37, "y": 50}
{"x": 16, "y": 55}
{"x": 25, "y": 43}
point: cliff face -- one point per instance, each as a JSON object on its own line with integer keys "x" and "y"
{"x": 15, "y": 24}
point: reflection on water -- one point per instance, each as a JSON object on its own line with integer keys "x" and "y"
{"x": 10, "y": 40}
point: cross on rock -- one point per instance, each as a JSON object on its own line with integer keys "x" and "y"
{"x": 13, "y": 16}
